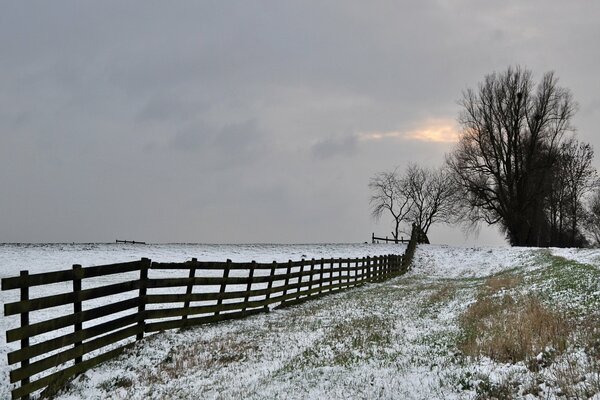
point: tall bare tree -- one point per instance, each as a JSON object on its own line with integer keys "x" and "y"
{"x": 433, "y": 195}
{"x": 511, "y": 132}
{"x": 389, "y": 195}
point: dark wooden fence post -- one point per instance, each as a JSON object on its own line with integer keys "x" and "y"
{"x": 223, "y": 285}
{"x": 302, "y": 262}
{"x": 312, "y": 270}
{"x": 77, "y": 276}
{"x": 331, "y": 276}
{"x": 287, "y": 281}
{"x": 340, "y": 276}
{"x": 321, "y": 275}
{"x": 145, "y": 265}
{"x": 390, "y": 264}
{"x": 363, "y": 264}
{"x": 249, "y": 285}
{"x": 25, "y": 322}
{"x": 190, "y": 287}
{"x": 375, "y": 273}
{"x": 368, "y": 268}
{"x": 270, "y": 284}
{"x": 347, "y": 273}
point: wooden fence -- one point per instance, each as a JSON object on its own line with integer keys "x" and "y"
{"x": 209, "y": 292}
{"x": 375, "y": 239}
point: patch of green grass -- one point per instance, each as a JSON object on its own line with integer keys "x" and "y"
{"x": 567, "y": 284}
{"x": 347, "y": 343}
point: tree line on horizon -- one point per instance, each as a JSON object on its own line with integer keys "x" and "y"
{"x": 517, "y": 165}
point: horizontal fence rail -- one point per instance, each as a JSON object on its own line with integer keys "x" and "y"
{"x": 99, "y": 321}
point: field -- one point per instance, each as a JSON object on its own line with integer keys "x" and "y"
{"x": 463, "y": 323}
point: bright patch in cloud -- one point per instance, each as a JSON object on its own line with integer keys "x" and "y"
{"x": 439, "y": 131}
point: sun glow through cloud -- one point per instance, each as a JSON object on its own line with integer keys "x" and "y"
{"x": 437, "y": 131}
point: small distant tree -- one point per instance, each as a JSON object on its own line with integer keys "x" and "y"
{"x": 389, "y": 195}
{"x": 432, "y": 194}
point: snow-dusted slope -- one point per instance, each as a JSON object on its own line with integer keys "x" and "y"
{"x": 387, "y": 340}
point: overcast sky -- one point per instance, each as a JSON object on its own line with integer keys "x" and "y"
{"x": 252, "y": 121}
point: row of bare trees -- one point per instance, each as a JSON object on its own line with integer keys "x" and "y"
{"x": 517, "y": 164}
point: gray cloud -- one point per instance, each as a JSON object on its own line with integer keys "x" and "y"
{"x": 205, "y": 121}
{"x": 335, "y": 146}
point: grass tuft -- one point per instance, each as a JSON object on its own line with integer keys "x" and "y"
{"x": 506, "y": 329}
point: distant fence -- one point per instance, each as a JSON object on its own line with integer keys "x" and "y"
{"x": 375, "y": 239}
{"x": 238, "y": 290}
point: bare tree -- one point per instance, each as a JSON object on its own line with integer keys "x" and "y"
{"x": 389, "y": 195}
{"x": 573, "y": 177}
{"x": 592, "y": 221}
{"x": 433, "y": 196}
{"x": 511, "y": 133}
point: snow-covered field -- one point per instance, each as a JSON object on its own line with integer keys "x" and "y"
{"x": 395, "y": 339}
{"x": 37, "y": 258}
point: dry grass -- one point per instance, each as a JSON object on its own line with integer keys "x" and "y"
{"x": 442, "y": 294}
{"x": 500, "y": 283}
{"x": 579, "y": 376}
{"x": 509, "y": 330}
{"x": 204, "y": 355}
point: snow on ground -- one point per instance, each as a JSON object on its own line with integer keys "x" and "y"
{"x": 51, "y": 257}
{"x": 464, "y": 262}
{"x": 393, "y": 340}
{"x": 38, "y": 258}
{"x": 584, "y": 256}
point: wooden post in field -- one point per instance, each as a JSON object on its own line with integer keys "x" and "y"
{"x": 223, "y": 285}
{"x": 312, "y": 270}
{"x": 270, "y": 284}
{"x": 77, "y": 275}
{"x": 249, "y": 285}
{"x": 348, "y": 274}
{"x": 321, "y": 275}
{"x": 368, "y": 268}
{"x": 190, "y": 287}
{"x": 363, "y": 266}
{"x": 331, "y": 273}
{"x": 300, "y": 278}
{"x": 340, "y": 277}
{"x": 287, "y": 280}
{"x": 25, "y": 322}
{"x": 145, "y": 265}
{"x": 375, "y": 274}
